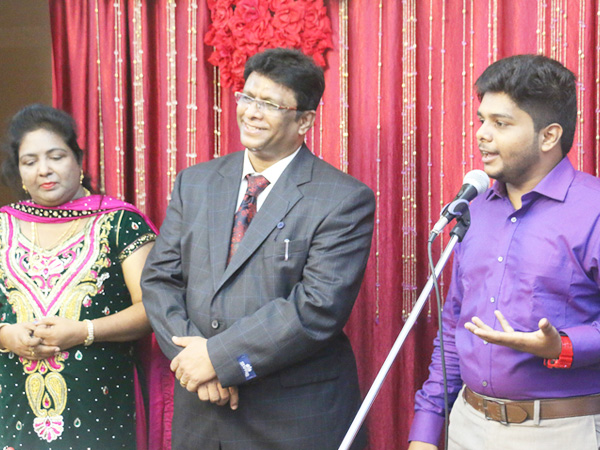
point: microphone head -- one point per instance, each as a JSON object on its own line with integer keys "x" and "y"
{"x": 478, "y": 179}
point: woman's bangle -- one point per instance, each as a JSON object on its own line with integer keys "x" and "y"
{"x": 89, "y": 340}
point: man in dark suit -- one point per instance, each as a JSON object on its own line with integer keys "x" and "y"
{"x": 252, "y": 315}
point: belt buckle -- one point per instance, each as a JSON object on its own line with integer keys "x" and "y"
{"x": 503, "y": 414}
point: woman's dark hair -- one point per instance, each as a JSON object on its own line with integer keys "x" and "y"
{"x": 540, "y": 86}
{"x": 31, "y": 118}
{"x": 292, "y": 69}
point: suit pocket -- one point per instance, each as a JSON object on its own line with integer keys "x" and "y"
{"x": 287, "y": 251}
{"x": 312, "y": 370}
{"x": 284, "y": 264}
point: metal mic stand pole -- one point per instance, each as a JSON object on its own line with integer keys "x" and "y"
{"x": 410, "y": 322}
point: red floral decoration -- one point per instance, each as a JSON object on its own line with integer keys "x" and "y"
{"x": 241, "y": 28}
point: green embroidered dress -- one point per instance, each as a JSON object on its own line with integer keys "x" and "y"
{"x": 84, "y": 397}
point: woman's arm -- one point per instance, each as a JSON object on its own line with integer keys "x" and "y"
{"x": 131, "y": 323}
{"x": 126, "y": 325}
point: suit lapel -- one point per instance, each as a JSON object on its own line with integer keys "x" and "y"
{"x": 223, "y": 195}
{"x": 284, "y": 195}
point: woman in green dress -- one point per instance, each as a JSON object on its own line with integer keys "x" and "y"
{"x": 70, "y": 298}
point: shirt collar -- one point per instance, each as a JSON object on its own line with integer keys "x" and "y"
{"x": 554, "y": 185}
{"x": 272, "y": 173}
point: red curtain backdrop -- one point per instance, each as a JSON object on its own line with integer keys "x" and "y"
{"x": 398, "y": 113}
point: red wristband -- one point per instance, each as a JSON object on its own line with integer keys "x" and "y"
{"x": 565, "y": 358}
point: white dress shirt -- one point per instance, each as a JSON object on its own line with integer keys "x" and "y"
{"x": 272, "y": 174}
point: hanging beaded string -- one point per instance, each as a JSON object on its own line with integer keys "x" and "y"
{"x": 441, "y": 238}
{"x": 541, "y": 28}
{"x": 470, "y": 93}
{"x": 490, "y": 32}
{"x": 553, "y": 32}
{"x": 192, "y": 67}
{"x": 171, "y": 96}
{"x": 559, "y": 47}
{"x": 378, "y": 166}
{"x": 310, "y": 139}
{"x": 321, "y": 115}
{"x": 495, "y": 31}
{"x": 468, "y": 112}
{"x": 490, "y": 26}
{"x": 429, "y": 126}
{"x": 556, "y": 31}
{"x": 409, "y": 70}
{"x": 102, "y": 180}
{"x": 138, "y": 108}
{"x": 580, "y": 82}
{"x": 217, "y": 111}
{"x": 118, "y": 99}
{"x": 412, "y": 181}
{"x": 464, "y": 89}
{"x": 343, "y": 15}
{"x": 564, "y": 31}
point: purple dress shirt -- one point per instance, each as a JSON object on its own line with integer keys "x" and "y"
{"x": 540, "y": 261}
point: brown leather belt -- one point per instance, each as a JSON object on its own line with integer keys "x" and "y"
{"x": 507, "y": 411}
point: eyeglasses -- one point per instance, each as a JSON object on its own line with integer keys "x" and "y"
{"x": 262, "y": 105}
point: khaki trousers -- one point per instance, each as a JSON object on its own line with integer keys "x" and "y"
{"x": 470, "y": 430}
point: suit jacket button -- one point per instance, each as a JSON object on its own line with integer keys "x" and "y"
{"x": 215, "y": 324}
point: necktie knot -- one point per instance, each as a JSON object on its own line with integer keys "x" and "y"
{"x": 256, "y": 184}
{"x": 246, "y": 211}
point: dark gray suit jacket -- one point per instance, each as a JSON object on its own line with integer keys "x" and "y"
{"x": 273, "y": 323}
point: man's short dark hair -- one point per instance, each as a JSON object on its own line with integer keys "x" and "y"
{"x": 292, "y": 69}
{"x": 540, "y": 86}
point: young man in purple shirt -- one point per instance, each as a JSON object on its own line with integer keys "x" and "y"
{"x": 522, "y": 317}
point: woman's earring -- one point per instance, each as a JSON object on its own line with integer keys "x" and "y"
{"x": 81, "y": 177}
{"x": 25, "y": 189}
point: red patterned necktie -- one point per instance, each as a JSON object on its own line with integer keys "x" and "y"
{"x": 246, "y": 211}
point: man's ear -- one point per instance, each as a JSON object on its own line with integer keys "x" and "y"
{"x": 307, "y": 120}
{"x": 550, "y": 137}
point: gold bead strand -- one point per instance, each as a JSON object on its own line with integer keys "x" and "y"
{"x": 192, "y": 67}
{"x": 102, "y": 163}
{"x": 171, "y": 96}
{"x": 118, "y": 101}
{"x": 138, "y": 108}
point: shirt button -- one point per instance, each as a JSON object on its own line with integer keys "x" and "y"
{"x": 492, "y": 299}
{"x": 484, "y": 383}
{"x": 513, "y": 220}
{"x": 215, "y": 324}
{"x": 500, "y": 259}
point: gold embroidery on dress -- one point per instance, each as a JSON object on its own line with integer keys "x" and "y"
{"x": 47, "y": 396}
{"x": 45, "y": 387}
{"x": 142, "y": 240}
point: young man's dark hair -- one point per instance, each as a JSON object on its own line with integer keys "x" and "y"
{"x": 292, "y": 69}
{"x": 540, "y": 86}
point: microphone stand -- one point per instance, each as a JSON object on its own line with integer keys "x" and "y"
{"x": 456, "y": 235}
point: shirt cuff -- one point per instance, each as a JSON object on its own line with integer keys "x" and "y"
{"x": 586, "y": 345}
{"x": 426, "y": 427}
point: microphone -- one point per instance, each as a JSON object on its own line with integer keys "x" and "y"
{"x": 475, "y": 182}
